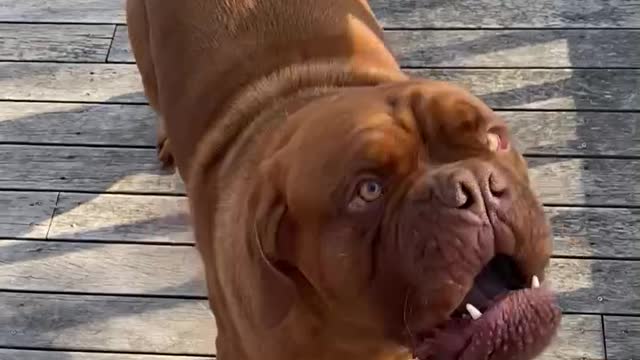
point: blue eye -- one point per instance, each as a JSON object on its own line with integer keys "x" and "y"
{"x": 370, "y": 190}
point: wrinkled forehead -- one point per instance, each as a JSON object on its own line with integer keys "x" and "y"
{"x": 386, "y": 130}
{"x": 380, "y": 123}
{"x": 360, "y": 123}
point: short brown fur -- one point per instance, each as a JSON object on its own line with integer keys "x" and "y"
{"x": 264, "y": 107}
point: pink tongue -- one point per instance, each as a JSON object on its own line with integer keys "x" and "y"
{"x": 519, "y": 327}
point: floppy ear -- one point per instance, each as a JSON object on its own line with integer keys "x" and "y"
{"x": 276, "y": 291}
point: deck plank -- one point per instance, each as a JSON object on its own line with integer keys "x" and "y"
{"x": 599, "y": 232}
{"x": 583, "y": 285}
{"x": 99, "y": 323}
{"x": 120, "y": 48}
{"x": 9, "y": 354}
{"x": 603, "y": 232}
{"x": 87, "y": 124}
{"x": 100, "y": 268}
{"x": 67, "y": 11}
{"x": 588, "y": 232}
{"x": 548, "y": 132}
{"x": 84, "y": 169}
{"x": 391, "y": 13}
{"x": 44, "y": 42}
{"x": 551, "y": 89}
{"x": 623, "y": 337}
{"x": 589, "y": 286}
{"x": 113, "y": 83}
{"x": 594, "y": 182}
{"x": 557, "y": 180}
{"x": 515, "y": 48}
{"x": 579, "y": 338}
{"x": 122, "y": 218}
{"x": 519, "y": 13}
{"x": 575, "y": 133}
{"x": 490, "y": 48}
{"x": 175, "y": 326}
{"x": 26, "y": 214}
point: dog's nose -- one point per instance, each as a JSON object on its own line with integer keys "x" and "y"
{"x": 475, "y": 190}
{"x": 467, "y": 191}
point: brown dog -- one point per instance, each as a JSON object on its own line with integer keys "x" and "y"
{"x": 342, "y": 210}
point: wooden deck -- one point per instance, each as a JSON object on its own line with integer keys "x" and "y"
{"x": 96, "y": 261}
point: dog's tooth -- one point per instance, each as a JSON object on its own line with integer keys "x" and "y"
{"x": 535, "y": 282}
{"x": 473, "y": 311}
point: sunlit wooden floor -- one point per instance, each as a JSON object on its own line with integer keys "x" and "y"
{"x": 96, "y": 260}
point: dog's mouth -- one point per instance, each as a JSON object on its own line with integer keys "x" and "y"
{"x": 502, "y": 317}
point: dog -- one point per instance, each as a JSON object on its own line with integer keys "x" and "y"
{"x": 342, "y": 209}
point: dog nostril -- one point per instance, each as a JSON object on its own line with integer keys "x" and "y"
{"x": 497, "y": 186}
{"x": 497, "y": 193}
{"x": 465, "y": 196}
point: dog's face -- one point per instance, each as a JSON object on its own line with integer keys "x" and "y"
{"x": 403, "y": 204}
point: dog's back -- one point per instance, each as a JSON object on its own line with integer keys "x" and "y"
{"x": 196, "y": 56}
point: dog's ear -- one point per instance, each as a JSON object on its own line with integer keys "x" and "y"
{"x": 276, "y": 292}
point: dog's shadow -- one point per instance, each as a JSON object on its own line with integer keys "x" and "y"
{"x": 77, "y": 128}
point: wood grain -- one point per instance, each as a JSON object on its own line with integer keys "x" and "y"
{"x": 391, "y": 13}
{"x": 70, "y": 82}
{"x": 99, "y": 323}
{"x": 575, "y": 62}
{"x": 515, "y": 48}
{"x": 603, "y": 232}
{"x": 26, "y": 214}
{"x": 518, "y": 13}
{"x": 120, "y": 48}
{"x": 557, "y": 180}
{"x": 549, "y": 132}
{"x": 490, "y": 48}
{"x": 553, "y": 89}
{"x": 160, "y": 219}
{"x": 83, "y": 11}
{"x": 86, "y": 169}
{"x": 174, "y": 326}
{"x": 583, "y": 285}
{"x": 575, "y": 133}
{"x": 586, "y": 181}
{"x": 8, "y": 354}
{"x": 623, "y": 337}
{"x": 89, "y": 124}
{"x": 100, "y": 268}
{"x": 44, "y": 42}
{"x": 579, "y": 338}
{"x": 590, "y": 285}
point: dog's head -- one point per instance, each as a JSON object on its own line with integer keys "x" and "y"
{"x": 391, "y": 208}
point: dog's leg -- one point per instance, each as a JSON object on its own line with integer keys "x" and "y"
{"x": 141, "y": 45}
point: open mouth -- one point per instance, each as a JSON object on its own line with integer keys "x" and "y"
{"x": 502, "y": 317}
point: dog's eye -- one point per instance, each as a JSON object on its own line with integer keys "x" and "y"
{"x": 366, "y": 193}
{"x": 370, "y": 190}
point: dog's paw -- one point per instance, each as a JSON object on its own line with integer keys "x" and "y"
{"x": 163, "y": 147}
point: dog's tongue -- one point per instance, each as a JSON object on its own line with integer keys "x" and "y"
{"x": 519, "y": 327}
